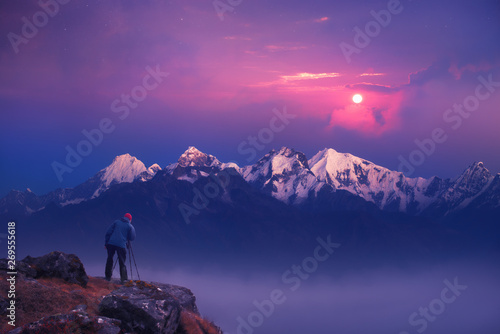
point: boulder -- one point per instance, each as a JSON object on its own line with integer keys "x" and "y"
{"x": 144, "y": 308}
{"x": 60, "y": 265}
{"x": 23, "y": 269}
{"x": 183, "y": 295}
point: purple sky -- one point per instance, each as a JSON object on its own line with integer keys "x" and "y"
{"x": 225, "y": 77}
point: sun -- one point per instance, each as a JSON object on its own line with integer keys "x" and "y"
{"x": 357, "y": 98}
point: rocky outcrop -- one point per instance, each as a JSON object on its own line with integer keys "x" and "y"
{"x": 77, "y": 321}
{"x": 60, "y": 265}
{"x": 150, "y": 307}
{"x": 22, "y": 268}
{"x": 55, "y": 264}
{"x": 56, "y": 294}
{"x": 143, "y": 308}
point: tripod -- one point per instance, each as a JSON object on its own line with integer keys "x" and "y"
{"x": 130, "y": 256}
{"x": 131, "y": 252}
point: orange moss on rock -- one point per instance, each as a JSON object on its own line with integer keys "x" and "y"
{"x": 44, "y": 297}
{"x": 192, "y": 323}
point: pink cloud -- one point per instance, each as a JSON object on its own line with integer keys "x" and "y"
{"x": 377, "y": 114}
{"x": 276, "y": 48}
{"x": 458, "y": 71}
{"x": 309, "y": 76}
{"x": 240, "y": 38}
{"x": 323, "y": 19}
{"x": 371, "y": 74}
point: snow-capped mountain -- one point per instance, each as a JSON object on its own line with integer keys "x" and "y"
{"x": 288, "y": 176}
{"x": 20, "y": 203}
{"x": 149, "y": 173}
{"x": 124, "y": 168}
{"x": 194, "y": 157}
{"x": 389, "y": 190}
{"x": 488, "y": 197}
{"x": 193, "y": 164}
{"x": 284, "y": 174}
{"x": 474, "y": 182}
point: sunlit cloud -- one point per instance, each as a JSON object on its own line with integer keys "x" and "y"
{"x": 372, "y": 87}
{"x": 457, "y": 71}
{"x": 323, "y": 19}
{"x": 371, "y": 74}
{"x": 294, "y": 80}
{"x": 304, "y": 89}
{"x": 309, "y": 76}
{"x": 239, "y": 38}
{"x": 277, "y": 48}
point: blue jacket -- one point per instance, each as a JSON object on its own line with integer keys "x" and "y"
{"x": 120, "y": 233}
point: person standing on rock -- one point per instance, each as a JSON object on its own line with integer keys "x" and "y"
{"x": 117, "y": 239}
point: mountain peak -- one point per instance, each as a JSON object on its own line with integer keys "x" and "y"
{"x": 123, "y": 160}
{"x": 286, "y": 151}
{"x": 284, "y": 174}
{"x": 123, "y": 156}
{"x": 476, "y": 164}
{"x": 471, "y": 183}
{"x": 284, "y": 158}
{"x": 154, "y": 168}
{"x": 193, "y": 149}
{"x": 330, "y": 161}
{"x": 327, "y": 151}
{"x": 476, "y": 168}
{"x": 387, "y": 189}
{"x": 124, "y": 168}
{"x": 194, "y": 157}
{"x": 475, "y": 173}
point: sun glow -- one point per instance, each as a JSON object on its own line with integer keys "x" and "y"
{"x": 357, "y": 98}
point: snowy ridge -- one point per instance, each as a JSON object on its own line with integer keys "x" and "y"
{"x": 475, "y": 183}
{"x": 285, "y": 174}
{"x": 192, "y": 176}
{"x": 193, "y": 164}
{"x": 389, "y": 190}
{"x": 73, "y": 201}
{"x": 149, "y": 173}
{"x": 153, "y": 169}
{"x": 475, "y": 178}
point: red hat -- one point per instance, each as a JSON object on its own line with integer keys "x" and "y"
{"x": 129, "y": 216}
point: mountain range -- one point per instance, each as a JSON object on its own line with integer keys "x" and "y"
{"x": 200, "y": 206}
{"x": 290, "y": 177}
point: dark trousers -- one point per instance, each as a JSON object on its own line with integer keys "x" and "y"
{"x": 122, "y": 255}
